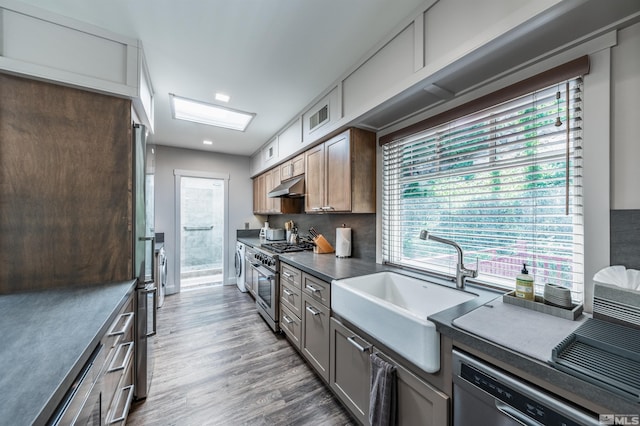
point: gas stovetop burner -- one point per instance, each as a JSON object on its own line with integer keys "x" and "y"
{"x": 287, "y": 247}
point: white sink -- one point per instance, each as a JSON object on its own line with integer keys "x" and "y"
{"x": 393, "y": 308}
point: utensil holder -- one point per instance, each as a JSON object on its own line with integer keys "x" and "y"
{"x": 322, "y": 245}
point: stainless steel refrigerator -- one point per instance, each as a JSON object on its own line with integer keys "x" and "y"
{"x": 143, "y": 267}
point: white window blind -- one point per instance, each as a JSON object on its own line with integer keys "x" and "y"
{"x": 504, "y": 183}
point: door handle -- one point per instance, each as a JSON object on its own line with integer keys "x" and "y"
{"x": 358, "y": 346}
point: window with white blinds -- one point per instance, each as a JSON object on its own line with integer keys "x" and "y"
{"x": 504, "y": 183}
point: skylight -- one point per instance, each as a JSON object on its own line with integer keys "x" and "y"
{"x": 210, "y": 114}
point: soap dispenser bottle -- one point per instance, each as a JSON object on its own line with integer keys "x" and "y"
{"x": 524, "y": 284}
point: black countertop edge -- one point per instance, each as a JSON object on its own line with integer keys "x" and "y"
{"x": 49, "y": 409}
{"x": 533, "y": 367}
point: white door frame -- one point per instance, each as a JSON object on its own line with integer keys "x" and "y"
{"x": 178, "y": 174}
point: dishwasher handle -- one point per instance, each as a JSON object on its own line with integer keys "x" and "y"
{"x": 516, "y": 415}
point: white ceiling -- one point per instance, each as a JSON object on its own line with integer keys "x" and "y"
{"x": 273, "y": 57}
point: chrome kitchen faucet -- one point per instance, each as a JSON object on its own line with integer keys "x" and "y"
{"x": 461, "y": 272}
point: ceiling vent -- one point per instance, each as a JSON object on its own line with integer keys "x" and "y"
{"x": 319, "y": 118}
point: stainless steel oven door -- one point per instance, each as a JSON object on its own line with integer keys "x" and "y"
{"x": 266, "y": 296}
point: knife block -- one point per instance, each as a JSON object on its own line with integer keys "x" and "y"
{"x": 322, "y": 245}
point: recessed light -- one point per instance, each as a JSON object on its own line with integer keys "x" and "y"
{"x": 222, "y": 97}
{"x": 206, "y": 113}
{"x": 206, "y": 142}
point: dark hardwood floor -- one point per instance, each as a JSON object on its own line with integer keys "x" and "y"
{"x": 217, "y": 363}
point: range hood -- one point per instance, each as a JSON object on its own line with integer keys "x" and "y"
{"x": 288, "y": 189}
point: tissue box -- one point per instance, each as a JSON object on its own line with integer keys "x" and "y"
{"x": 616, "y": 304}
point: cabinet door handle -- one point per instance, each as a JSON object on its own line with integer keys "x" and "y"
{"x": 125, "y": 359}
{"x": 125, "y": 324}
{"x": 327, "y": 208}
{"x": 358, "y": 346}
{"x": 313, "y": 311}
{"x": 287, "y": 319}
{"x": 316, "y": 209}
{"x": 125, "y": 407}
{"x": 287, "y": 292}
{"x": 286, "y": 274}
{"x": 312, "y": 289}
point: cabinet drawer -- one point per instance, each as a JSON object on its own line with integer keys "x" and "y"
{"x": 291, "y": 298}
{"x": 316, "y": 288}
{"x": 290, "y": 275}
{"x": 291, "y": 325}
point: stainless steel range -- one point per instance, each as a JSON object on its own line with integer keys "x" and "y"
{"x": 265, "y": 283}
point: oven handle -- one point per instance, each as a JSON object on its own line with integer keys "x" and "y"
{"x": 264, "y": 271}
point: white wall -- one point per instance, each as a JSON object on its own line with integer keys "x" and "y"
{"x": 625, "y": 110}
{"x": 169, "y": 159}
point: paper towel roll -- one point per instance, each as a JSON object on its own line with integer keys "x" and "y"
{"x": 343, "y": 242}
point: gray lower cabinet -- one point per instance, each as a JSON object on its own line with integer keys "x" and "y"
{"x": 349, "y": 375}
{"x": 315, "y": 334}
{"x": 418, "y": 403}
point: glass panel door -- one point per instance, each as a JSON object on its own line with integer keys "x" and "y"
{"x": 201, "y": 231}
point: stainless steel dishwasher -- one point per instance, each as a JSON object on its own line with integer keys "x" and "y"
{"x": 482, "y": 394}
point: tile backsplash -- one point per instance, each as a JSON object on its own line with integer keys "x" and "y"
{"x": 363, "y": 229}
{"x": 625, "y": 238}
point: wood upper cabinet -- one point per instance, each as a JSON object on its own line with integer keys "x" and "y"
{"x": 263, "y": 204}
{"x": 340, "y": 174}
{"x": 292, "y": 168}
{"x": 271, "y": 180}
{"x": 314, "y": 179}
{"x": 259, "y": 195}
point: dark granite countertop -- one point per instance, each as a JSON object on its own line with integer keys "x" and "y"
{"x": 328, "y": 267}
{"x": 47, "y": 337}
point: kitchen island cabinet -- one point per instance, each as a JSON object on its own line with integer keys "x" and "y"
{"x": 47, "y": 339}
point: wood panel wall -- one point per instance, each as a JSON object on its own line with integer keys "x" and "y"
{"x": 65, "y": 186}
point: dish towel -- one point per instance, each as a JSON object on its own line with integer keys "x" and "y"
{"x": 382, "y": 399}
